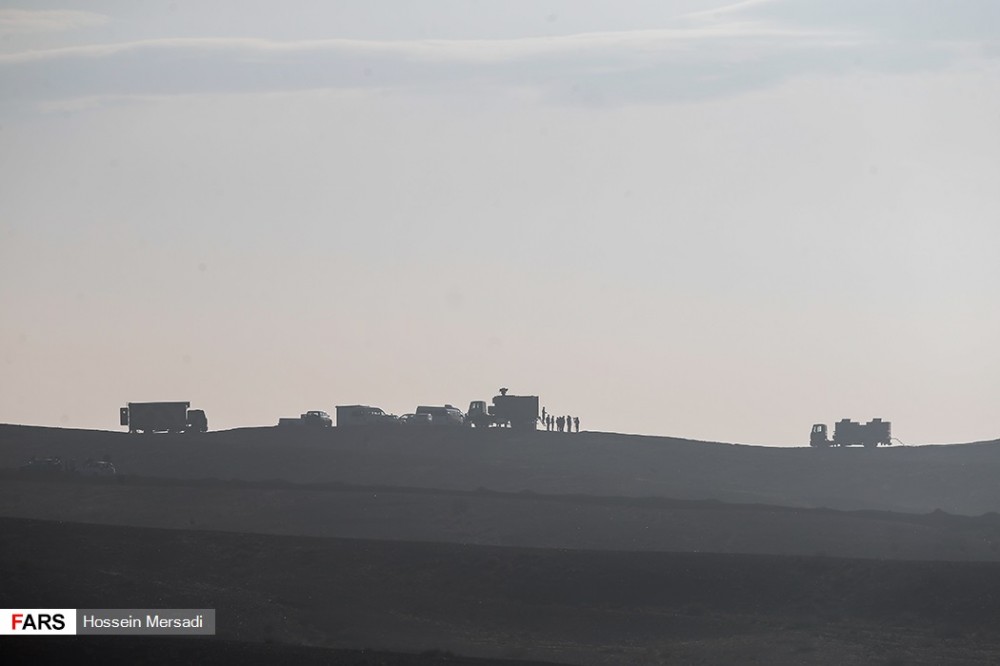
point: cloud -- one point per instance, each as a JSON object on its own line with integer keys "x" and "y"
{"x": 429, "y": 50}
{"x": 955, "y": 20}
{"x": 558, "y": 66}
{"x": 25, "y": 21}
{"x": 742, "y": 46}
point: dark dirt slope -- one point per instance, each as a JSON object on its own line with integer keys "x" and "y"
{"x": 491, "y": 518}
{"x": 149, "y": 651}
{"x": 955, "y": 479}
{"x": 573, "y": 606}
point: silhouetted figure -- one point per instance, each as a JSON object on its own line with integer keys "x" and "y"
{"x": 576, "y": 423}
{"x": 569, "y": 424}
{"x": 560, "y": 421}
{"x": 543, "y": 415}
{"x": 548, "y": 422}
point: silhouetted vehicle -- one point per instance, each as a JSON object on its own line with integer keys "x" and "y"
{"x": 363, "y": 415}
{"x": 480, "y": 415}
{"x": 316, "y": 418}
{"x": 147, "y": 417}
{"x": 416, "y": 419}
{"x": 446, "y": 415}
{"x": 48, "y": 466}
{"x": 519, "y": 412}
{"x": 851, "y": 433}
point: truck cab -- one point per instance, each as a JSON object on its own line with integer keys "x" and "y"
{"x": 818, "y": 436}
{"x": 197, "y": 421}
{"x": 480, "y": 415}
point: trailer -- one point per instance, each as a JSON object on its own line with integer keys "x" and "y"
{"x": 852, "y": 433}
{"x": 173, "y": 417}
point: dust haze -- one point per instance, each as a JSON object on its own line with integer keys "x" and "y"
{"x": 505, "y": 333}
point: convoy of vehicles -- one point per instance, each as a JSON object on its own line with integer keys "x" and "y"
{"x": 518, "y": 412}
{"x": 511, "y": 411}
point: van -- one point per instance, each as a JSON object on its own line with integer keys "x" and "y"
{"x": 446, "y": 415}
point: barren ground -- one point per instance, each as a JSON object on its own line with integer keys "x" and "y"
{"x": 589, "y": 549}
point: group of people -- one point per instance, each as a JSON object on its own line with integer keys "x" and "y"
{"x": 560, "y": 423}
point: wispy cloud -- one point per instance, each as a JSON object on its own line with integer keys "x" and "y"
{"x": 737, "y": 47}
{"x": 28, "y": 21}
{"x": 736, "y": 7}
{"x": 429, "y": 50}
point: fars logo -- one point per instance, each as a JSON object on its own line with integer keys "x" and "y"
{"x": 37, "y": 621}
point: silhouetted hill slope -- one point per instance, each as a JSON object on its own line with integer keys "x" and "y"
{"x": 492, "y": 518}
{"x": 955, "y": 478}
{"x": 151, "y": 651}
{"x": 576, "y": 606}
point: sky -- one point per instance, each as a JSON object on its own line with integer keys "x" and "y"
{"x": 720, "y": 221}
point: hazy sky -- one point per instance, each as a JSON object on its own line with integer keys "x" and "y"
{"x": 688, "y": 218}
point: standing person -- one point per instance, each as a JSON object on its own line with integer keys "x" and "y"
{"x": 576, "y": 423}
{"x": 559, "y": 424}
{"x": 548, "y": 422}
{"x": 543, "y": 415}
{"x": 569, "y": 423}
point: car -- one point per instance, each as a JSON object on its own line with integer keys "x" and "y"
{"x": 444, "y": 415}
{"x": 317, "y": 418}
{"x": 364, "y": 415}
{"x": 416, "y": 419}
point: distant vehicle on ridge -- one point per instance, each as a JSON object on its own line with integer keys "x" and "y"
{"x": 363, "y": 415}
{"x": 416, "y": 419}
{"x": 444, "y": 415}
{"x": 851, "y": 433}
{"x": 149, "y": 417}
{"x": 519, "y": 412}
{"x": 316, "y": 418}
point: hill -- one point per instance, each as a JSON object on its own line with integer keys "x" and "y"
{"x": 957, "y": 479}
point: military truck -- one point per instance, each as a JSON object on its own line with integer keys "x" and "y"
{"x": 519, "y": 412}
{"x": 852, "y": 433}
{"x": 174, "y": 417}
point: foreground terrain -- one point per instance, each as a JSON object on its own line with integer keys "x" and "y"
{"x": 401, "y": 547}
{"x": 585, "y": 607}
{"x": 503, "y": 519}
